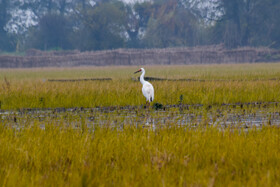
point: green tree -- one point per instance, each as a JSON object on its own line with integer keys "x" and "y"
{"x": 171, "y": 25}
{"x": 102, "y": 26}
{"x": 6, "y": 41}
{"x": 137, "y": 17}
{"x": 53, "y": 31}
{"x": 247, "y": 23}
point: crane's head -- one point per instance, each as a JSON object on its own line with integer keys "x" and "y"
{"x": 141, "y": 69}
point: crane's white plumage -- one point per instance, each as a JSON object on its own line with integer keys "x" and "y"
{"x": 147, "y": 89}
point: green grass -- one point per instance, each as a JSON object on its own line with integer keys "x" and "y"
{"x": 262, "y": 71}
{"x": 71, "y": 151}
{"x": 29, "y": 88}
{"x": 169, "y": 156}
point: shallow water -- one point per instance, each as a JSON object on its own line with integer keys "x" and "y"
{"x": 221, "y": 116}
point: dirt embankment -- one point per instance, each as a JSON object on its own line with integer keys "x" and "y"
{"x": 169, "y": 56}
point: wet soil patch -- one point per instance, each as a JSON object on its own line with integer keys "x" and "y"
{"x": 222, "y": 117}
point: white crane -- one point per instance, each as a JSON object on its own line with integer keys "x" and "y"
{"x": 147, "y": 89}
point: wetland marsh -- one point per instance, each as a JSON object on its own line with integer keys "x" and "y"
{"x": 217, "y": 125}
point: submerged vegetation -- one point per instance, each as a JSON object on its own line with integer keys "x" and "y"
{"x": 200, "y": 142}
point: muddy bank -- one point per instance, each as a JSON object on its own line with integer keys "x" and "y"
{"x": 169, "y": 56}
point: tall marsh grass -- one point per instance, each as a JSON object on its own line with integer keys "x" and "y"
{"x": 68, "y": 149}
{"x": 168, "y": 156}
{"x": 216, "y": 84}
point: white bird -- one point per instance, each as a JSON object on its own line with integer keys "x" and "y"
{"x": 147, "y": 89}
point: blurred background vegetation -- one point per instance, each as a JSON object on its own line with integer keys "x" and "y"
{"x": 108, "y": 24}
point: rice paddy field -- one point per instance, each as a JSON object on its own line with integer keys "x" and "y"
{"x": 209, "y": 125}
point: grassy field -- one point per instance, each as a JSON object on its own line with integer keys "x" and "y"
{"x": 117, "y": 148}
{"x": 215, "y": 84}
{"x": 169, "y": 156}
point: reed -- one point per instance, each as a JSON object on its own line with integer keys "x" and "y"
{"x": 67, "y": 149}
{"x": 217, "y": 84}
{"x": 168, "y": 156}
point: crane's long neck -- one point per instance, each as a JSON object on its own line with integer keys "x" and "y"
{"x": 142, "y": 77}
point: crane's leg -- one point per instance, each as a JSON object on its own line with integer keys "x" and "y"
{"x": 147, "y": 105}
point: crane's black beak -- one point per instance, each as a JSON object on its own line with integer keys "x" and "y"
{"x": 137, "y": 71}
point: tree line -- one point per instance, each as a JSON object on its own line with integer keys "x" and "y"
{"x": 108, "y": 24}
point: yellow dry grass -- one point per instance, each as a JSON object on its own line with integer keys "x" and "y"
{"x": 129, "y": 155}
